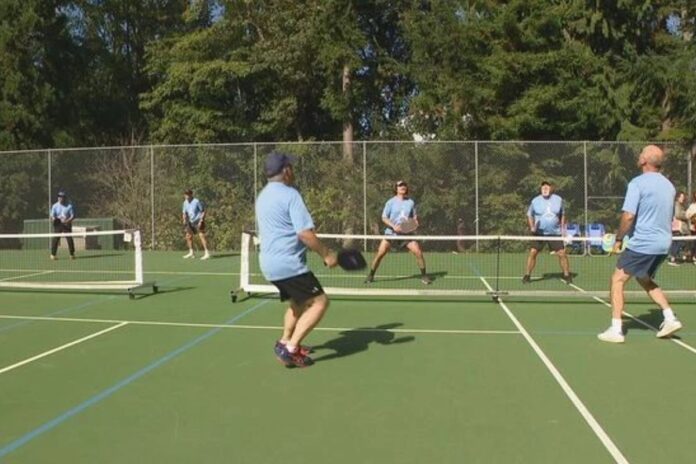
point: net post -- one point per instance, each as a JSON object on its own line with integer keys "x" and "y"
{"x": 244, "y": 262}
{"x": 138, "y": 243}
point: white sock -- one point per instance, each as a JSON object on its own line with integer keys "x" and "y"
{"x": 668, "y": 314}
{"x": 616, "y": 325}
{"x": 291, "y": 348}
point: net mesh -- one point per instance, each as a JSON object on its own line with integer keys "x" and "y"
{"x": 102, "y": 260}
{"x": 474, "y": 265}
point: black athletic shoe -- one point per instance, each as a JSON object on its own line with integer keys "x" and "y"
{"x": 426, "y": 279}
{"x": 369, "y": 279}
{"x": 526, "y": 279}
{"x": 567, "y": 279}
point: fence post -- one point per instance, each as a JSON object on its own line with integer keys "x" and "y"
{"x": 476, "y": 193}
{"x": 584, "y": 162}
{"x": 256, "y": 162}
{"x": 690, "y": 169}
{"x": 152, "y": 198}
{"x": 364, "y": 144}
{"x": 50, "y": 188}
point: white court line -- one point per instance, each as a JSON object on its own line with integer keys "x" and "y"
{"x": 260, "y": 327}
{"x": 24, "y": 276}
{"x": 643, "y": 323}
{"x": 60, "y": 348}
{"x": 579, "y": 405}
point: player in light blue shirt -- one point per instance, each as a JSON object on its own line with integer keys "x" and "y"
{"x": 647, "y": 217}
{"x": 62, "y": 215}
{"x": 546, "y": 218}
{"x": 286, "y": 230}
{"x": 398, "y": 211}
{"x": 193, "y": 216}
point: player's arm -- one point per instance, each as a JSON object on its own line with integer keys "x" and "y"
{"x": 530, "y": 219}
{"x": 304, "y": 227}
{"x": 311, "y": 241}
{"x": 71, "y": 212}
{"x": 563, "y": 220}
{"x": 624, "y": 227}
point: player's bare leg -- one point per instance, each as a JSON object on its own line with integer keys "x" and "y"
{"x": 189, "y": 243}
{"x": 565, "y": 265}
{"x": 415, "y": 248}
{"x": 384, "y": 247}
{"x": 670, "y": 324}
{"x": 531, "y": 264}
{"x": 204, "y": 242}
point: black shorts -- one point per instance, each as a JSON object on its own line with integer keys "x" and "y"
{"x": 300, "y": 288}
{"x": 639, "y": 265}
{"x": 400, "y": 243}
{"x": 554, "y": 245}
{"x": 195, "y": 227}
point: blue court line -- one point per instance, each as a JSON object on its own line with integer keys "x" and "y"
{"x": 56, "y": 421}
{"x": 82, "y": 306}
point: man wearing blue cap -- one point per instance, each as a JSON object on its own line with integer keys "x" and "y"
{"x": 286, "y": 230}
{"x": 62, "y": 215}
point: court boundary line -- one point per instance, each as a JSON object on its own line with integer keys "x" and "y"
{"x": 257, "y": 327}
{"x": 686, "y": 346}
{"x": 599, "y": 432}
{"x": 94, "y": 399}
{"x": 61, "y": 348}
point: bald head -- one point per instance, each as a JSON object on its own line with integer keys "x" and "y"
{"x": 651, "y": 158}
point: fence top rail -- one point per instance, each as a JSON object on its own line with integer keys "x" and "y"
{"x": 338, "y": 142}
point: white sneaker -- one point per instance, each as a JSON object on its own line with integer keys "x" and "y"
{"x": 667, "y": 328}
{"x": 189, "y": 255}
{"x": 205, "y": 256}
{"x": 611, "y": 336}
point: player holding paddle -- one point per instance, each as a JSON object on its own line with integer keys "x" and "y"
{"x": 647, "y": 211}
{"x": 193, "y": 217}
{"x": 546, "y": 218}
{"x": 62, "y": 215}
{"x": 286, "y": 230}
{"x": 400, "y": 217}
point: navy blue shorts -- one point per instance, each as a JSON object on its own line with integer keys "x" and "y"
{"x": 639, "y": 265}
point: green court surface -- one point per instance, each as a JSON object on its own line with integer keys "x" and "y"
{"x": 187, "y": 376}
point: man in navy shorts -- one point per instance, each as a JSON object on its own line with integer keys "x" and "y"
{"x": 286, "y": 230}
{"x": 647, "y": 210}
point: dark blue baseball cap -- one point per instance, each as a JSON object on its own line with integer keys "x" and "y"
{"x": 276, "y": 162}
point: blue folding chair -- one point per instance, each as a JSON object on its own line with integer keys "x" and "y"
{"x": 575, "y": 246}
{"x": 596, "y": 233}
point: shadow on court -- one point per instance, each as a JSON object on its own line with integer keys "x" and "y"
{"x": 100, "y": 255}
{"x": 358, "y": 340}
{"x": 555, "y": 276}
{"x": 652, "y": 317}
{"x": 223, "y": 255}
{"x": 433, "y": 275}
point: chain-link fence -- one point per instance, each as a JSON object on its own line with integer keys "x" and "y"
{"x": 463, "y": 188}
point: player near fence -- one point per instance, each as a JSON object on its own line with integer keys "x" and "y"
{"x": 546, "y": 218}
{"x": 286, "y": 230}
{"x": 62, "y": 216}
{"x": 193, "y": 216}
{"x": 399, "y": 215}
{"x": 647, "y": 211}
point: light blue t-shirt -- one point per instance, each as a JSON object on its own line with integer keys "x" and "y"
{"x": 397, "y": 210}
{"x": 193, "y": 209}
{"x": 281, "y": 215}
{"x": 650, "y": 197}
{"x": 63, "y": 212}
{"x": 547, "y": 213}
